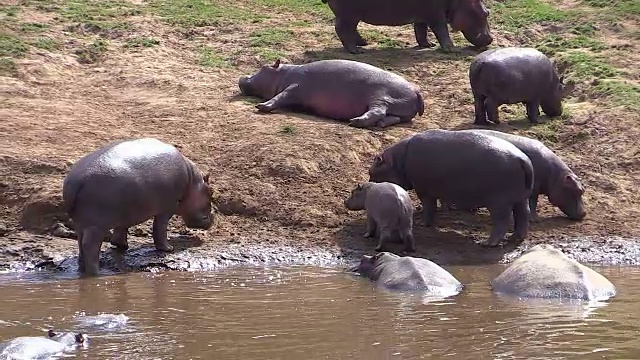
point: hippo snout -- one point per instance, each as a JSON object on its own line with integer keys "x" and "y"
{"x": 243, "y": 84}
{"x": 203, "y": 222}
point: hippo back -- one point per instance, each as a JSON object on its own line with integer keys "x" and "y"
{"x": 31, "y": 347}
{"x": 546, "y": 272}
{"x": 416, "y": 274}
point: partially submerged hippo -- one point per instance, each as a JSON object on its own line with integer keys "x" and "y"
{"x": 514, "y": 75}
{"x": 363, "y": 94}
{"x": 126, "y": 183}
{"x": 552, "y": 176}
{"x": 468, "y": 16}
{"x": 467, "y": 169}
{"x": 546, "y": 272}
{"x": 389, "y": 212}
{"x": 393, "y": 272}
{"x": 37, "y": 347}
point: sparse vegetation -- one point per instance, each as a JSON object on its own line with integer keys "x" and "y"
{"x": 199, "y": 13}
{"x": 519, "y": 15}
{"x": 45, "y": 43}
{"x": 93, "y": 52}
{"x": 141, "y": 42}
{"x": 288, "y": 129}
{"x": 12, "y": 46}
{"x": 33, "y": 27}
{"x": 210, "y": 58}
{"x": 270, "y": 37}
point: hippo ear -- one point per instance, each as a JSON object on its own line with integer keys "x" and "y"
{"x": 50, "y": 333}
{"x": 378, "y": 160}
{"x": 79, "y": 338}
{"x": 276, "y": 64}
{"x": 206, "y": 178}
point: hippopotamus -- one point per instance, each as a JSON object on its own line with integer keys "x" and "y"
{"x": 36, "y": 347}
{"x": 513, "y": 75}
{"x": 389, "y": 212}
{"x": 546, "y": 272}
{"x": 405, "y": 273}
{"x": 552, "y": 176}
{"x": 468, "y": 16}
{"x": 363, "y": 94}
{"x": 127, "y": 182}
{"x": 467, "y": 169}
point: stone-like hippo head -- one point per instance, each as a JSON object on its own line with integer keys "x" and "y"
{"x": 471, "y": 17}
{"x": 567, "y": 195}
{"x": 261, "y": 84}
{"x": 368, "y": 263}
{"x": 195, "y": 209}
{"x": 356, "y": 200}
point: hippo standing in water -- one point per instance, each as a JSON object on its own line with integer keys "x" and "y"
{"x": 389, "y": 212}
{"x": 126, "y": 183}
{"x": 546, "y": 272}
{"x": 363, "y": 94}
{"x": 468, "y": 16}
{"x": 406, "y": 273}
{"x": 467, "y": 169}
{"x": 36, "y": 347}
{"x": 552, "y": 176}
{"x": 514, "y": 75}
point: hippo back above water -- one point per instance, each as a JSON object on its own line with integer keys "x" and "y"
{"x": 468, "y": 16}
{"x": 126, "y": 183}
{"x": 363, "y": 94}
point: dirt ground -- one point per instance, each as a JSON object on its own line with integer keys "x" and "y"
{"x": 280, "y": 179}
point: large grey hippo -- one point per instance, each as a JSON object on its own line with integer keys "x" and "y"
{"x": 514, "y": 75}
{"x": 467, "y": 169}
{"x": 37, "y": 347}
{"x": 546, "y": 272}
{"x": 363, "y": 94}
{"x": 406, "y": 273}
{"x": 552, "y": 176}
{"x": 468, "y": 16}
{"x": 127, "y": 182}
{"x": 389, "y": 212}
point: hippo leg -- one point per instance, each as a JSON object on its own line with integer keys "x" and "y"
{"x": 408, "y": 240}
{"x": 501, "y": 218}
{"x": 533, "y": 111}
{"x": 160, "y": 223}
{"x": 521, "y": 220}
{"x": 440, "y": 28}
{"x": 119, "y": 239}
{"x": 492, "y": 110}
{"x": 420, "y": 30}
{"x": 90, "y": 248}
{"x": 371, "y": 227}
{"x": 360, "y": 41}
{"x": 481, "y": 110}
{"x": 283, "y": 99}
{"x": 81, "y": 267}
{"x": 388, "y": 121}
{"x": 385, "y": 236}
{"x": 429, "y": 206}
{"x": 533, "y": 208}
{"x": 369, "y": 119}
{"x": 346, "y": 31}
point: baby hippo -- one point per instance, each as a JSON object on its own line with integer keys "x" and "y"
{"x": 514, "y": 75}
{"x": 389, "y": 212}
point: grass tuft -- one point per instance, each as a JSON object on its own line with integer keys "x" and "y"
{"x": 516, "y": 15}
{"x": 199, "y": 13}
{"x": 270, "y": 37}
{"x": 141, "y": 42}
{"x": 33, "y": 27}
{"x": 46, "y": 43}
{"x": 93, "y": 52}
{"x": 208, "y": 57}
{"x": 12, "y": 46}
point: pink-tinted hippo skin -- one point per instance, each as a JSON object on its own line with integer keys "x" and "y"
{"x": 515, "y": 75}
{"x": 345, "y": 90}
{"x": 466, "y": 169}
{"x": 468, "y": 16}
{"x": 127, "y": 182}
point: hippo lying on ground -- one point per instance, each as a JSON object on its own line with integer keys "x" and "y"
{"x": 468, "y": 16}
{"x": 389, "y": 212}
{"x": 363, "y": 94}
{"x": 514, "y": 75}
{"x": 126, "y": 183}
{"x": 467, "y": 169}
{"x": 36, "y": 347}
{"x": 392, "y": 272}
{"x": 546, "y": 272}
{"x": 552, "y": 176}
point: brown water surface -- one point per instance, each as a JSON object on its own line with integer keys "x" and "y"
{"x": 316, "y": 313}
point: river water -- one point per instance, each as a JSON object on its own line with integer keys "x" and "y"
{"x": 315, "y": 313}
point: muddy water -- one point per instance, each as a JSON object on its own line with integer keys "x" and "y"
{"x": 315, "y": 313}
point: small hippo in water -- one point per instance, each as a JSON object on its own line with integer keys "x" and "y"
{"x": 393, "y": 272}
{"x": 363, "y": 94}
{"x": 552, "y": 176}
{"x": 514, "y": 75}
{"x": 468, "y": 16}
{"x": 467, "y": 169}
{"x": 546, "y": 272}
{"x": 389, "y": 212}
{"x": 126, "y": 183}
{"x": 36, "y": 347}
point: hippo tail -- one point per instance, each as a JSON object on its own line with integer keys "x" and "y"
{"x": 70, "y": 192}
{"x": 420, "y": 103}
{"x": 528, "y": 173}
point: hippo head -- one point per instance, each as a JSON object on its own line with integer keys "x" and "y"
{"x": 195, "y": 208}
{"x": 552, "y": 104}
{"x": 67, "y": 338}
{"x": 383, "y": 170}
{"x": 369, "y": 263}
{"x": 261, "y": 84}
{"x": 567, "y": 195}
{"x": 356, "y": 200}
{"x": 470, "y": 17}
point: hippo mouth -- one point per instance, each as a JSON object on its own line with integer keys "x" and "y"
{"x": 243, "y": 84}
{"x": 199, "y": 222}
{"x": 478, "y": 39}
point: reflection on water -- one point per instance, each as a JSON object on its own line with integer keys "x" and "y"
{"x": 312, "y": 313}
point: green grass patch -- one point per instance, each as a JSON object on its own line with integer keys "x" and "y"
{"x": 270, "y": 55}
{"x": 197, "y": 13}
{"x": 208, "y": 57}
{"x": 619, "y": 92}
{"x": 381, "y": 39}
{"x": 620, "y": 7}
{"x": 141, "y": 42}
{"x": 516, "y": 15}
{"x": 87, "y": 11}
{"x": 584, "y": 66}
{"x": 45, "y": 43}
{"x": 555, "y": 43}
{"x": 12, "y": 46}
{"x": 7, "y": 66}
{"x": 93, "y": 52}
{"x": 547, "y": 131}
{"x": 8, "y": 11}
{"x": 313, "y": 7}
{"x": 270, "y": 37}
{"x": 288, "y": 129}
{"x": 33, "y": 27}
